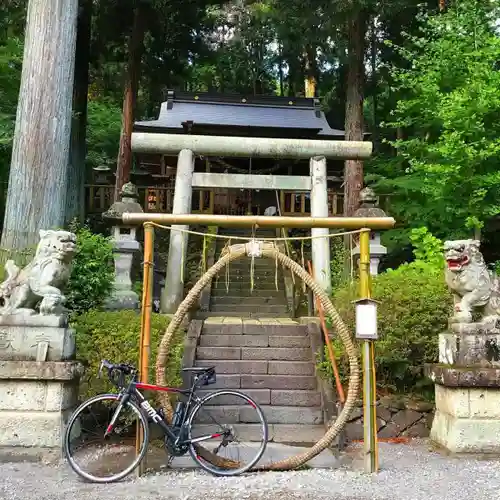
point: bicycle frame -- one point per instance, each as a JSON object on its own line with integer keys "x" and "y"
{"x": 133, "y": 391}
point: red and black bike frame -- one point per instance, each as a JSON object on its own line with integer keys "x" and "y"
{"x": 133, "y": 392}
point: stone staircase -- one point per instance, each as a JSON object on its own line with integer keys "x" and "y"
{"x": 233, "y": 295}
{"x": 271, "y": 360}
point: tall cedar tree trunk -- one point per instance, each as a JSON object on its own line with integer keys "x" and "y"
{"x": 36, "y": 197}
{"x": 135, "y": 48}
{"x": 353, "y": 170}
{"x": 373, "y": 57}
{"x": 75, "y": 201}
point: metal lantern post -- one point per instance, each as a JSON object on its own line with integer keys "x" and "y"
{"x": 366, "y": 331}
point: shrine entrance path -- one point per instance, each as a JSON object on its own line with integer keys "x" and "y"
{"x": 408, "y": 472}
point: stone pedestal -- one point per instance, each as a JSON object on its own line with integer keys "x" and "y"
{"x": 468, "y": 344}
{"x": 36, "y": 400}
{"x": 36, "y": 338}
{"x": 467, "y": 418}
{"x": 38, "y": 383}
{"x": 124, "y": 247}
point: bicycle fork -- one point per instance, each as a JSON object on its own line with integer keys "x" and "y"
{"x": 111, "y": 424}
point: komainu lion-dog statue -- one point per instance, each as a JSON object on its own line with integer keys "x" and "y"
{"x": 475, "y": 288}
{"x": 41, "y": 282}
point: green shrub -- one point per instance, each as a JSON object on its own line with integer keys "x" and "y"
{"x": 414, "y": 308}
{"x": 93, "y": 272}
{"x": 427, "y": 248}
{"x": 115, "y": 336}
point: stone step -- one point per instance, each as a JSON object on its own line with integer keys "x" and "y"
{"x": 304, "y": 435}
{"x": 240, "y": 315}
{"x": 258, "y": 273}
{"x": 245, "y": 382}
{"x": 254, "y": 353}
{"x": 274, "y": 415}
{"x": 236, "y": 294}
{"x": 277, "y": 353}
{"x": 246, "y": 285}
{"x": 211, "y": 340}
{"x": 251, "y": 300}
{"x": 290, "y": 368}
{"x": 264, "y": 326}
{"x": 246, "y": 262}
{"x": 234, "y": 366}
{"x": 275, "y": 397}
{"x": 261, "y": 309}
{"x": 225, "y": 366}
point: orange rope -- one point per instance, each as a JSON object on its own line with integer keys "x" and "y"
{"x": 331, "y": 354}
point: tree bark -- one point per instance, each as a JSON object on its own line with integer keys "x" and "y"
{"x": 353, "y": 170}
{"x": 373, "y": 58}
{"x": 75, "y": 201}
{"x": 135, "y": 48}
{"x": 36, "y": 197}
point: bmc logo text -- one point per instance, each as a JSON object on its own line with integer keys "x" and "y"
{"x": 151, "y": 412}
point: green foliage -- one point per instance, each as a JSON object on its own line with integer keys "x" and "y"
{"x": 496, "y": 267}
{"x": 115, "y": 336}
{"x": 338, "y": 259}
{"x": 414, "y": 308}
{"x": 427, "y": 248}
{"x": 103, "y": 132}
{"x": 10, "y": 74}
{"x": 92, "y": 274}
{"x": 446, "y": 174}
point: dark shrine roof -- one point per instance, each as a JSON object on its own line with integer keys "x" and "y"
{"x": 233, "y": 114}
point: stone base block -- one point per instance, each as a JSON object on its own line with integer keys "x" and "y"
{"x": 469, "y": 345}
{"x": 36, "y": 343}
{"x": 478, "y": 436}
{"x": 36, "y": 400}
{"x": 467, "y": 419}
{"x": 32, "y": 429}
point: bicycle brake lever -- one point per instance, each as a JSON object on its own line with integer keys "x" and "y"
{"x": 100, "y": 370}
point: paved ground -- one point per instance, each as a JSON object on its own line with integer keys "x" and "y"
{"x": 409, "y": 472}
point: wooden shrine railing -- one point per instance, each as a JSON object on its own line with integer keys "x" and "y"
{"x": 98, "y": 198}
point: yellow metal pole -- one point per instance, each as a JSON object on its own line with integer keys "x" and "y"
{"x": 369, "y": 383}
{"x": 250, "y": 221}
{"x": 146, "y": 310}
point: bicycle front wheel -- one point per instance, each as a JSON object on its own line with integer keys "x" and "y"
{"x": 228, "y": 433}
{"x": 101, "y": 436}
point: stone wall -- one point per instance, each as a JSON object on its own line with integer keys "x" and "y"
{"x": 396, "y": 417}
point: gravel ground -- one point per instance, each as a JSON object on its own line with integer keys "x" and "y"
{"x": 409, "y": 472}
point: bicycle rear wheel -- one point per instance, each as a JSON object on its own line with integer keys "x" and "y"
{"x": 100, "y": 438}
{"x": 232, "y": 433}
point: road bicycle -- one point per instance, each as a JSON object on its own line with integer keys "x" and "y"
{"x": 188, "y": 432}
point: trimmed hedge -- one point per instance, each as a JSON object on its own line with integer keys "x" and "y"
{"x": 114, "y": 335}
{"x": 414, "y": 308}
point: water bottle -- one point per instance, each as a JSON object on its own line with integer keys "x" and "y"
{"x": 178, "y": 414}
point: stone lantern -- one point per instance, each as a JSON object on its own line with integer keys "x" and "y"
{"x": 125, "y": 245}
{"x": 368, "y": 207}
